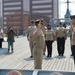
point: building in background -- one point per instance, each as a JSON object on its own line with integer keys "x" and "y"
{"x": 26, "y": 13}
{"x": 1, "y": 22}
{"x": 26, "y": 5}
{"x": 1, "y": 13}
{"x": 18, "y": 13}
{"x": 26, "y": 17}
{"x": 0, "y": 9}
{"x": 13, "y": 14}
{"x": 44, "y": 9}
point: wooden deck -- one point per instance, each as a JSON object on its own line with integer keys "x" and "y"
{"x": 20, "y": 58}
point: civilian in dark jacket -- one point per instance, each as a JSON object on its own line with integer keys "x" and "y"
{"x": 10, "y": 39}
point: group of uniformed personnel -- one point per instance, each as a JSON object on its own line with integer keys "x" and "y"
{"x": 61, "y": 37}
{"x": 36, "y": 42}
{"x": 41, "y": 36}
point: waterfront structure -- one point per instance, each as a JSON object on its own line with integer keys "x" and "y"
{"x": 12, "y": 14}
{"x": 44, "y": 9}
{"x": 68, "y": 14}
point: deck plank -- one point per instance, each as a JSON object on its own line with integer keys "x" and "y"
{"x": 20, "y": 58}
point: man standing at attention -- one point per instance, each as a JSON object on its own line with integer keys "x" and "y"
{"x": 61, "y": 37}
{"x": 30, "y": 31}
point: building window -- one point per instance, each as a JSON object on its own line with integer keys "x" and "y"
{"x": 42, "y": 6}
{"x": 41, "y": 1}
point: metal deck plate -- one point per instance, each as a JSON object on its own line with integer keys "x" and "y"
{"x": 35, "y": 72}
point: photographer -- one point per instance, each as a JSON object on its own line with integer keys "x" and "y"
{"x": 10, "y": 38}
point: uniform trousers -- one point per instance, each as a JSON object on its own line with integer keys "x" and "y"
{"x": 10, "y": 44}
{"x": 49, "y": 47}
{"x": 37, "y": 56}
{"x": 31, "y": 45}
{"x": 73, "y": 48}
{"x": 44, "y": 50}
{"x": 60, "y": 45}
{"x": 71, "y": 45}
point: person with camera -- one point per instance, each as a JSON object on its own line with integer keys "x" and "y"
{"x": 10, "y": 38}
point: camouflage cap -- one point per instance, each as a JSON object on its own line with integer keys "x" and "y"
{"x": 56, "y": 73}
